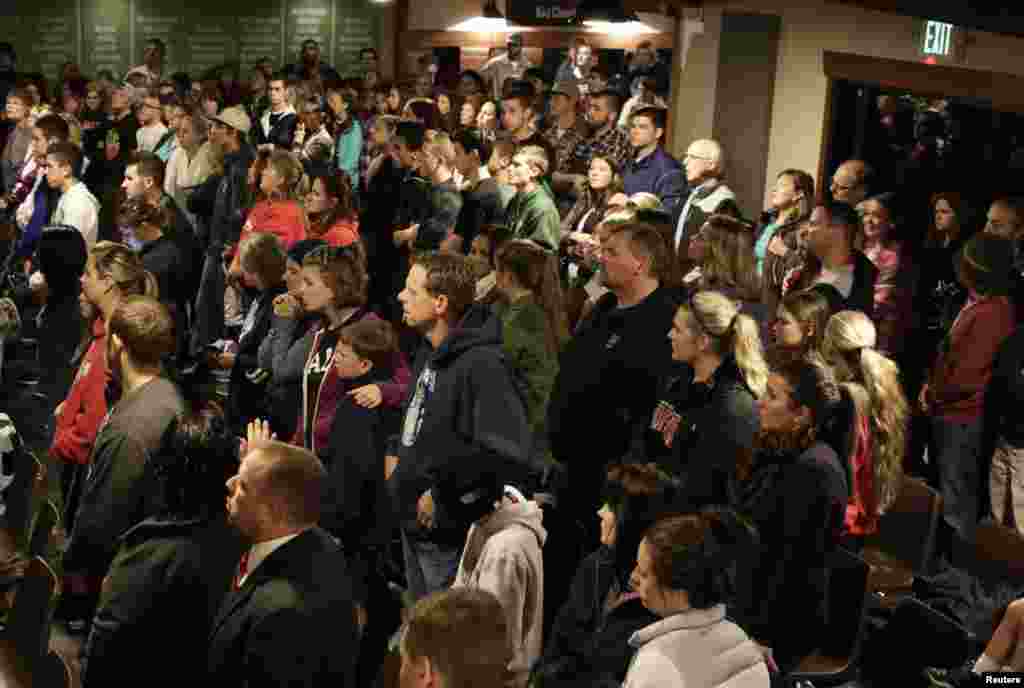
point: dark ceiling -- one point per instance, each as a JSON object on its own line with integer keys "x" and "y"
{"x": 985, "y": 15}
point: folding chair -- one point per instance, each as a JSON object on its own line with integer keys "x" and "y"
{"x": 837, "y": 660}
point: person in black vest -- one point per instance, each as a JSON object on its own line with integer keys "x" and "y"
{"x": 276, "y": 128}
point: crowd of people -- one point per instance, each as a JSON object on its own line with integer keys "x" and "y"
{"x": 485, "y": 379}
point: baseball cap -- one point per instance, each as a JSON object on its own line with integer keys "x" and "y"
{"x": 236, "y": 118}
{"x": 567, "y": 87}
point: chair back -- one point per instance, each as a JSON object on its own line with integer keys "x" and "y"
{"x": 847, "y": 600}
{"x": 906, "y": 532}
{"x": 998, "y": 553}
{"x": 28, "y": 626}
{"x": 46, "y": 519}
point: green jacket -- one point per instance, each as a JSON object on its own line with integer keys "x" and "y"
{"x": 524, "y": 339}
{"x": 534, "y": 216}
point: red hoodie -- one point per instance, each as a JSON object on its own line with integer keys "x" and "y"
{"x": 85, "y": 406}
{"x": 285, "y": 219}
{"x": 962, "y": 371}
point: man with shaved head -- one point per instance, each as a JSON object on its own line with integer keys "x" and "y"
{"x": 851, "y": 181}
{"x": 705, "y": 168}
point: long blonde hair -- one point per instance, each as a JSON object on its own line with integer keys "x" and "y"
{"x": 873, "y": 382}
{"x": 731, "y": 332}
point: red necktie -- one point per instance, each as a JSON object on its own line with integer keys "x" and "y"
{"x": 243, "y": 570}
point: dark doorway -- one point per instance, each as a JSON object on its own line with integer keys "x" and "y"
{"x": 922, "y": 143}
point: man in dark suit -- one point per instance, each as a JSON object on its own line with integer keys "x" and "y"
{"x": 290, "y": 620}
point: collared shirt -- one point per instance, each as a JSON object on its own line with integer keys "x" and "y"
{"x": 566, "y": 144}
{"x": 261, "y": 550}
{"x": 614, "y": 144}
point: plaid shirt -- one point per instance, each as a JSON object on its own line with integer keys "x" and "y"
{"x": 614, "y": 144}
{"x": 569, "y": 147}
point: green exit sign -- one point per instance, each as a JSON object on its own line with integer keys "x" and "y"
{"x": 938, "y": 38}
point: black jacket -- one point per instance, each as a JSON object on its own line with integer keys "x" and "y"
{"x": 356, "y": 506}
{"x": 464, "y": 419}
{"x": 231, "y": 202}
{"x": 167, "y": 575}
{"x": 246, "y": 398}
{"x": 608, "y": 379}
{"x": 62, "y": 330}
{"x": 798, "y": 505}
{"x": 292, "y": 623}
{"x": 163, "y": 258}
{"x": 589, "y": 645}
{"x": 281, "y": 134}
{"x": 377, "y": 222}
{"x": 183, "y": 234}
{"x": 717, "y": 428}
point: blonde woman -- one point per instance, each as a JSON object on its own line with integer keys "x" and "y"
{"x": 280, "y": 212}
{"x": 880, "y": 417}
{"x": 705, "y": 424}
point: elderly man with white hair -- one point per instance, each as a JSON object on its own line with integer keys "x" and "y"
{"x": 704, "y": 164}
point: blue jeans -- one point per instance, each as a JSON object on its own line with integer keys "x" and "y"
{"x": 955, "y": 449}
{"x": 429, "y": 567}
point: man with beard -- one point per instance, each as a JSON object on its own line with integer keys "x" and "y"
{"x": 120, "y": 489}
{"x": 290, "y": 619}
{"x": 607, "y": 383}
{"x": 310, "y": 68}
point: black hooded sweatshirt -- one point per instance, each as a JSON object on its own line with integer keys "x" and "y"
{"x": 464, "y": 419}
{"x": 607, "y": 385}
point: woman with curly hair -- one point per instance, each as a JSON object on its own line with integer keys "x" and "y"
{"x": 881, "y": 414}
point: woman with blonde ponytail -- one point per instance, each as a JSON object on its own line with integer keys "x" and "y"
{"x": 881, "y": 414}
{"x": 706, "y": 419}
